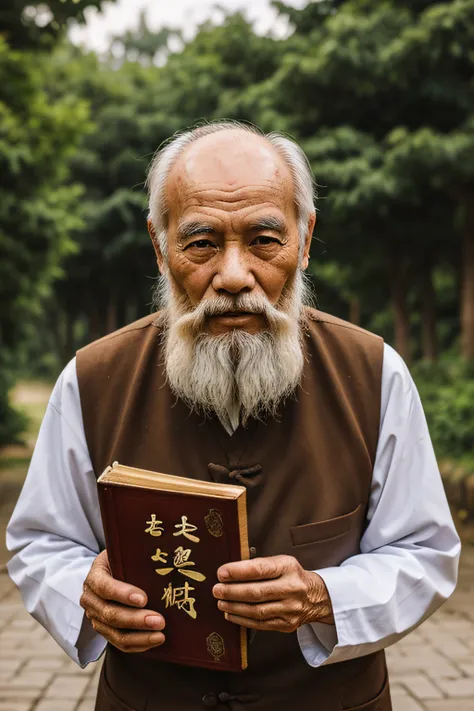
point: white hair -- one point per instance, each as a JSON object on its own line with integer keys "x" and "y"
{"x": 166, "y": 157}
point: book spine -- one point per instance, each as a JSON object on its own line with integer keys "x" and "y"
{"x": 244, "y": 555}
{"x": 111, "y": 533}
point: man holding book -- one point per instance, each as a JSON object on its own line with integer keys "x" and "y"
{"x": 236, "y": 381}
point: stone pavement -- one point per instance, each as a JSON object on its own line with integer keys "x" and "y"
{"x": 431, "y": 670}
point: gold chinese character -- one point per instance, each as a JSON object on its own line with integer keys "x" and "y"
{"x": 181, "y": 561}
{"x": 180, "y": 598}
{"x": 181, "y": 556}
{"x": 154, "y": 528}
{"x": 161, "y": 557}
{"x": 168, "y": 596}
{"x": 185, "y": 528}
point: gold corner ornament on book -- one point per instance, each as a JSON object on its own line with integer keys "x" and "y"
{"x": 215, "y": 646}
{"x": 214, "y": 523}
{"x": 168, "y": 535}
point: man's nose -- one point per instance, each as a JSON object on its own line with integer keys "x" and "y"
{"x": 233, "y": 272}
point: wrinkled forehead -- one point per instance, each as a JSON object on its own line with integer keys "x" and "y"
{"x": 230, "y": 167}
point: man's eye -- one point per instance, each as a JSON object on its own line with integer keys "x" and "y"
{"x": 264, "y": 240}
{"x": 201, "y": 244}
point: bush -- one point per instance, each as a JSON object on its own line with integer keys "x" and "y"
{"x": 447, "y": 393}
{"x": 12, "y": 422}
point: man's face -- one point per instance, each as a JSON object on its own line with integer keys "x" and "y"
{"x": 232, "y": 226}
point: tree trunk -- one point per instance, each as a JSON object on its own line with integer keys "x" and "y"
{"x": 94, "y": 323}
{"x": 55, "y": 326}
{"x": 111, "y": 318}
{"x": 354, "y": 311}
{"x": 429, "y": 332}
{"x": 467, "y": 294}
{"x": 131, "y": 310}
{"x": 398, "y": 289}
{"x": 68, "y": 336}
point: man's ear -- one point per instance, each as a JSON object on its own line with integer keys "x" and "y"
{"x": 156, "y": 246}
{"x": 307, "y": 245}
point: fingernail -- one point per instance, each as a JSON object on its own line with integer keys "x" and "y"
{"x": 217, "y": 591}
{"x": 153, "y": 620}
{"x": 223, "y": 575}
{"x": 137, "y": 599}
{"x": 157, "y": 638}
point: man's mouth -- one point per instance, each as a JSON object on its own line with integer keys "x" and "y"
{"x": 230, "y": 320}
{"x": 236, "y": 316}
{"x": 237, "y": 313}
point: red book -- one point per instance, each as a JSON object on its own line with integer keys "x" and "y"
{"x": 168, "y": 535}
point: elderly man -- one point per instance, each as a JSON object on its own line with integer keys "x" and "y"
{"x": 234, "y": 379}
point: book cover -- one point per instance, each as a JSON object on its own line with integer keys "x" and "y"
{"x": 168, "y": 535}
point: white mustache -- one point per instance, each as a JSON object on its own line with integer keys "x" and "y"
{"x": 243, "y": 303}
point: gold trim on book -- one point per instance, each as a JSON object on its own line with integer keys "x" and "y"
{"x": 214, "y": 523}
{"x": 215, "y": 646}
{"x": 244, "y": 555}
{"x": 130, "y": 476}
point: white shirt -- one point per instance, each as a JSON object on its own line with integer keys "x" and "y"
{"x": 409, "y": 551}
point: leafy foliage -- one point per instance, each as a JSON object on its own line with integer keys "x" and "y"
{"x": 38, "y": 206}
{"x": 447, "y": 392}
{"x": 380, "y": 95}
{"x": 142, "y": 43}
{"x": 37, "y": 24}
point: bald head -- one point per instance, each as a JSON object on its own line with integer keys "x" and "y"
{"x": 231, "y": 160}
{"x": 230, "y": 154}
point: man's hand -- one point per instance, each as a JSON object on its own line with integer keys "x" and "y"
{"x": 108, "y": 604}
{"x": 273, "y": 593}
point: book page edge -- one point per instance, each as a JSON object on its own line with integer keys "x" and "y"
{"x": 122, "y": 475}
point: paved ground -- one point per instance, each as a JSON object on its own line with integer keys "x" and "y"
{"x": 431, "y": 670}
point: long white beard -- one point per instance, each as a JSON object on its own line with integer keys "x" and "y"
{"x": 236, "y": 375}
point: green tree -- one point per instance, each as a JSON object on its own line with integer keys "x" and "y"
{"x": 435, "y": 55}
{"x": 144, "y": 44}
{"x": 37, "y": 24}
{"x": 135, "y": 106}
{"x": 108, "y": 280}
{"x": 345, "y": 90}
{"x": 38, "y": 207}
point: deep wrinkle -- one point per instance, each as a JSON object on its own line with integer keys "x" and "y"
{"x": 232, "y": 225}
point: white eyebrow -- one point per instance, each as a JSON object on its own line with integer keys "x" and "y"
{"x": 191, "y": 228}
{"x": 268, "y": 223}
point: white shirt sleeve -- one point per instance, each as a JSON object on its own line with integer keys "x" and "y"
{"x": 56, "y": 530}
{"x": 410, "y": 549}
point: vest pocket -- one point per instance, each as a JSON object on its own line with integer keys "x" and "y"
{"x": 323, "y": 530}
{"x": 327, "y": 543}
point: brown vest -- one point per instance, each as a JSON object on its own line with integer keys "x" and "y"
{"x": 308, "y": 501}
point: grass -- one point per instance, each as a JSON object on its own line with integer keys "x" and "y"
{"x": 31, "y": 398}
{"x": 12, "y": 462}
{"x": 35, "y": 413}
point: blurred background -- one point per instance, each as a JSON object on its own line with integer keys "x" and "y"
{"x": 381, "y": 97}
